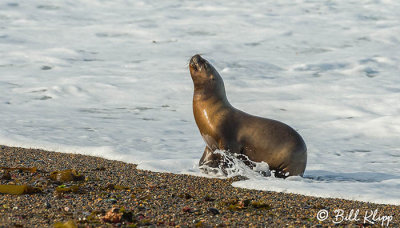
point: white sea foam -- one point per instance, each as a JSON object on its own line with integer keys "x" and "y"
{"x": 231, "y": 165}
{"x": 110, "y": 78}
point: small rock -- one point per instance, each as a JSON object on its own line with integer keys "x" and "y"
{"x": 6, "y": 176}
{"x": 140, "y": 216}
{"x": 187, "y": 209}
{"x": 188, "y": 196}
{"x": 213, "y": 210}
{"x": 127, "y": 216}
{"x": 112, "y": 200}
{"x": 208, "y": 198}
{"x": 112, "y": 216}
{"x": 245, "y": 203}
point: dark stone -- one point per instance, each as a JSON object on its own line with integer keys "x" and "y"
{"x": 187, "y": 209}
{"x": 213, "y": 210}
{"x": 246, "y": 202}
{"x": 188, "y": 196}
{"x": 6, "y": 176}
{"x": 127, "y": 216}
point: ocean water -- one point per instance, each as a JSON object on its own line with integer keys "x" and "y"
{"x": 110, "y": 78}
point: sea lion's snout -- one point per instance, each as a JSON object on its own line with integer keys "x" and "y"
{"x": 196, "y": 62}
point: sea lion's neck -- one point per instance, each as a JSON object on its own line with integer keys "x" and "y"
{"x": 209, "y": 112}
{"x": 209, "y": 98}
{"x": 206, "y": 94}
{"x": 210, "y": 103}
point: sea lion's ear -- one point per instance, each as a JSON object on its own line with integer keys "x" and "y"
{"x": 212, "y": 77}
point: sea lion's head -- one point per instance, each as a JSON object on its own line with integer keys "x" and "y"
{"x": 206, "y": 79}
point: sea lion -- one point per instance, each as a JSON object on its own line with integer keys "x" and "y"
{"x": 226, "y": 128}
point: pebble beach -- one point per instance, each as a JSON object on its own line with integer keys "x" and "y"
{"x": 72, "y": 190}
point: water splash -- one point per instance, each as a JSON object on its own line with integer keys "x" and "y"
{"x": 233, "y": 164}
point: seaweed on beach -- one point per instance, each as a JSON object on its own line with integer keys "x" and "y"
{"x": 66, "y": 175}
{"x": 18, "y": 189}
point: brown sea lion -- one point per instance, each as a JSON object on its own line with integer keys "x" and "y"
{"x": 226, "y": 128}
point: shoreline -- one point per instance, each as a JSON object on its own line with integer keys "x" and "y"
{"x": 145, "y": 198}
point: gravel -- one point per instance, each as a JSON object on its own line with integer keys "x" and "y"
{"x": 96, "y": 192}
